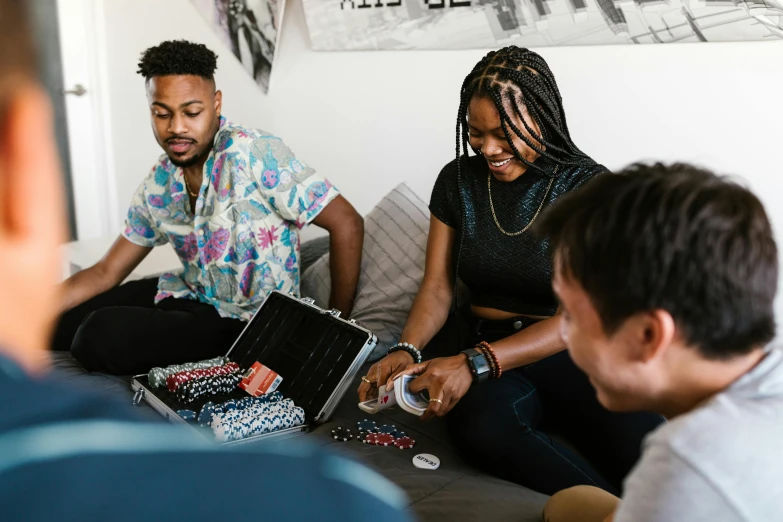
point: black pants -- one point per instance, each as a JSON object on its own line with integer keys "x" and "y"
{"x": 506, "y": 426}
{"x": 123, "y": 332}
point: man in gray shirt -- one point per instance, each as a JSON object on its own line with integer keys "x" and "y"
{"x": 667, "y": 278}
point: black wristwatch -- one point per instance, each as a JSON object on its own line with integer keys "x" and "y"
{"x": 478, "y": 364}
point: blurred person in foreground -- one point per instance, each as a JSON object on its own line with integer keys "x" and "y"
{"x": 69, "y": 456}
{"x": 667, "y": 278}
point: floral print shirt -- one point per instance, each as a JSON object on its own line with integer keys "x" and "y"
{"x": 242, "y": 241}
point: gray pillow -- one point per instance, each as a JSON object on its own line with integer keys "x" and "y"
{"x": 395, "y": 241}
{"x": 312, "y": 251}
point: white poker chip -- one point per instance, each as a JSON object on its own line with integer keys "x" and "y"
{"x": 426, "y": 461}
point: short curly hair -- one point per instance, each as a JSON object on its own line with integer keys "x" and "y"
{"x": 178, "y": 57}
{"x": 675, "y": 238}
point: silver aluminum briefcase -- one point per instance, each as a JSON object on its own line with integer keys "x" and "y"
{"x": 317, "y": 353}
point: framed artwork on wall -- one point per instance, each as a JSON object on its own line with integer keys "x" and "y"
{"x": 250, "y": 29}
{"x": 338, "y": 25}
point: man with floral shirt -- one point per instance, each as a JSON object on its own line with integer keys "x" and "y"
{"x": 231, "y": 201}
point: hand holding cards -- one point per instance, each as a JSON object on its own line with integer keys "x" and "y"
{"x": 415, "y": 403}
{"x": 384, "y": 400}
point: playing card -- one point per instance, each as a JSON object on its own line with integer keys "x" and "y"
{"x": 386, "y": 399}
{"x": 370, "y": 406}
{"x": 415, "y": 403}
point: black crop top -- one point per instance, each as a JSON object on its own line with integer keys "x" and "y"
{"x": 513, "y": 274}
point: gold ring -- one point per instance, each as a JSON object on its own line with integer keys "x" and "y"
{"x": 437, "y": 400}
{"x": 365, "y": 379}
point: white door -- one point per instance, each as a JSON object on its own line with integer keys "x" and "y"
{"x": 83, "y": 48}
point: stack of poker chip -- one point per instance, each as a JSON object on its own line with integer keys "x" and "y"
{"x": 173, "y": 381}
{"x": 257, "y": 419}
{"x": 157, "y": 376}
{"x": 209, "y": 410}
{"x": 213, "y": 385}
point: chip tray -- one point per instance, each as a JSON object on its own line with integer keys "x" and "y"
{"x": 315, "y": 351}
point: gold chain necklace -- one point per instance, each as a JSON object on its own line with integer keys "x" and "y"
{"x": 492, "y": 207}
{"x": 187, "y": 184}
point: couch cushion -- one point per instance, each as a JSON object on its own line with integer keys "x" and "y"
{"x": 453, "y": 492}
{"x": 311, "y": 251}
{"x": 395, "y": 242}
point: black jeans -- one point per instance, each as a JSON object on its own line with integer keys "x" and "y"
{"x": 512, "y": 427}
{"x": 123, "y": 332}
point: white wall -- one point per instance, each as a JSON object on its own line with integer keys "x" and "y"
{"x": 370, "y": 120}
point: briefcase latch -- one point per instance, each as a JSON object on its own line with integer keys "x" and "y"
{"x": 334, "y": 313}
{"x": 138, "y": 396}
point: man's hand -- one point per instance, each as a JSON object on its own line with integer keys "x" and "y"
{"x": 380, "y": 372}
{"x": 447, "y": 379}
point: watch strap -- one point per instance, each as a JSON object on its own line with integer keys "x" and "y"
{"x": 478, "y": 364}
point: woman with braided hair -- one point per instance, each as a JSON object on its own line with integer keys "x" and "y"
{"x": 497, "y": 366}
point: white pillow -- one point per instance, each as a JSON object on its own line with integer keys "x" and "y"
{"x": 395, "y": 242}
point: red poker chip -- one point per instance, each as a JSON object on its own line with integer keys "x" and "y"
{"x": 404, "y": 443}
{"x": 383, "y": 439}
{"x": 370, "y": 438}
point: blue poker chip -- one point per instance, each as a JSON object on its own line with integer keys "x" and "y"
{"x": 188, "y": 415}
{"x": 206, "y": 413}
{"x": 391, "y": 429}
{"x": 367, "y": 426}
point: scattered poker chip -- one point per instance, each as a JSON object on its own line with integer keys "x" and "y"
{"x": 391, "y": 429}
{"x": 361, "y": 435}
{"x": 383, "y": 439}
{"x": 370, "y": 438}
{"x": 367, "y": 425}
{"x": 188, "y": 415}
{"x": 342, "y": 434}
{"x": 426, "y": 461}
{"x": 404, "y": 443}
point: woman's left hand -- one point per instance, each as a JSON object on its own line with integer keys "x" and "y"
{"x": 446, "y": 378}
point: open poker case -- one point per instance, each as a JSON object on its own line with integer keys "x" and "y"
{"x": 317, "y": 353}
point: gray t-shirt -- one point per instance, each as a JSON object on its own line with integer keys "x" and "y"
{"x": 722, "y": 461}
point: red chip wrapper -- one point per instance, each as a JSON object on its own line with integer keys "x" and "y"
{"x": 260, "y": 380}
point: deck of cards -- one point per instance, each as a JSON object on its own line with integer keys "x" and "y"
{"x": 415, "y": 403}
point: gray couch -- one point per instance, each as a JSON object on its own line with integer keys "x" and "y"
{"x": 454, "y": 492}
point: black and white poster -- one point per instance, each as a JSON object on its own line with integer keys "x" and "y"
{"x": 337, "y": 25}
{"x": 250, "y": 29}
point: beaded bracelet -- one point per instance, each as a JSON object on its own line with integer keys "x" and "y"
{"x": 408, "y": 347}
{"x": 489, "y": 353}
{"x": 493, "y": 369}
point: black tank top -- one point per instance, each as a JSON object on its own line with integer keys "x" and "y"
{"x": 513, "y": 274}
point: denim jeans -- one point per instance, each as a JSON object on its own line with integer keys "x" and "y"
{"x": 540, "y": 425}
